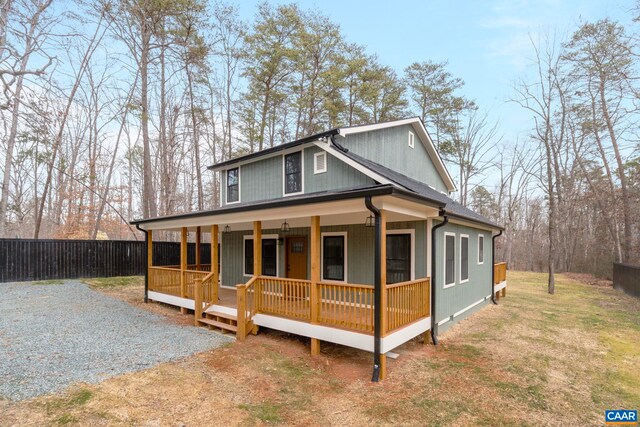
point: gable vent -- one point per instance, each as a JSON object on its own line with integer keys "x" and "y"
{"x": 411, "y": 140}
{"x": 320, "y": 163}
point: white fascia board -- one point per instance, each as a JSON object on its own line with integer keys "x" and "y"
{"x": 418, "y": 126}
{"x": 340, "y": 156}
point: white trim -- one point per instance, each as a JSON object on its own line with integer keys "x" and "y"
{"x": 316, "y": 169}
{"x": 346, "y": 253}
{"x": 445, "y": 320}
{"x": 424, "y": 136}
{"x": 500, "y": 286}
{"x": 284, "y": 184}
{"x": 464, "y": 236}
{"x": 226, "y": 184}
{"x": 244, "y": 258}
{"x": 172, "y": 300}
{"x": 479, "y": 236}
{"x": 405, "y": 334}
{"x": 412, "y": 233}
{"x": 458, "y": 313}
{"x": 444, "y": 256}
{"x": 411, "y": 140}
{"x": 357, "y": 166}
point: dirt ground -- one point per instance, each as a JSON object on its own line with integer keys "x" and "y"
{"x": 535, "y": 359}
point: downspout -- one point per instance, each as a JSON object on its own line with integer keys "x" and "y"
{"x": 377, "y": 292}
{"x": 493, "y": 262}
{"x": 146, "y": 263}
{"x": 434, "y": 323}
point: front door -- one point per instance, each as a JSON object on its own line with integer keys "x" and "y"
{"x": 297, "y": 258}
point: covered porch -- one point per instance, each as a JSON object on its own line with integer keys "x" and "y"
{"x": 314, "y": 302}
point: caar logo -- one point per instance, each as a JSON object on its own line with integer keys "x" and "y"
{"x": 621, "y": 417}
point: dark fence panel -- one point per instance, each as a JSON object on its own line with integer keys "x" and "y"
{"x": 45, "y": 259}
{"x": 627, "y": 278}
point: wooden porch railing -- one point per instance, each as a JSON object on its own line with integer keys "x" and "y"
{"x": 499, "y": 272}
{"x": 283, "y": 297}
{"x": 407, "y": 302}
{"x": 166, "y": 280}
{"x": 346, "y": 305}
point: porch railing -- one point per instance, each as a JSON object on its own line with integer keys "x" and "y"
{"x": 346, "y": 305}
{"x": 499, "y": 272}
{"x": 166, "y": 280}
{"x": 407, "y": 302}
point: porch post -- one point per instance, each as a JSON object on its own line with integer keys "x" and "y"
{"x": 149, "y": 264}
{"x": 214, "y": 263}
{"x": 383, "y": 284}
{"x": 257, "y": 248}
{"x": 314, "y": 297}
{"x": 183, "y": 266}
{"x": 198, "y": 254}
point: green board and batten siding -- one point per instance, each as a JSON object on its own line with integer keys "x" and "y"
{"x": 460, "y": 296}
{"x": 262, "y": 179}
{"x": 390, "y": 148}
{"x": 360, "y": 251}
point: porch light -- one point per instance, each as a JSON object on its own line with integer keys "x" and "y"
{"x": 285, "y": 227}
{"x": 227, "y": 229}
{"x": 370, "y": 221}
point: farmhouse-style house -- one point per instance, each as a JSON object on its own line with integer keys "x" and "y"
{"x": 348, "y": 236}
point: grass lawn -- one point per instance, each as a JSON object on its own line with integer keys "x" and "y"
{"x": 536, "y": 359}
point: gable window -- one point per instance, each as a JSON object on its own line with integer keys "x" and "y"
{"x": 293, "y": 173}
{"x": 449, "y": 259}
{"x": 320, "y": 162}
{"x": 269, "y": 256}
{"x": 411, "y": 140}
{"x": 480, "y": 249}
{"x": 334, "y": 256}
{"x": 398, "y": 258}
{"x": 233, "y": 185}
{"x": 464, "y": 258}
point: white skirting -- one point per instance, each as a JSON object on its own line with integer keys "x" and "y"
{"x": 500, "y": 286}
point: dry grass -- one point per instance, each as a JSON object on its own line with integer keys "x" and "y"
{"x": 535, "y": 359}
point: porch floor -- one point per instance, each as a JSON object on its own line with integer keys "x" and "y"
{"x": 227, "y": 297}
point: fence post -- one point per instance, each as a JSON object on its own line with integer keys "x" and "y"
{"x": 241, "y": 300}
{"x": 197, "y": 300}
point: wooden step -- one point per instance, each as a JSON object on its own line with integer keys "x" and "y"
{"x": 222, "y": 315}
{"x": 221, "y": 325}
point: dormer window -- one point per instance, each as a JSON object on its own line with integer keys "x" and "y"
{"x": 233, "y": 185}
{"x": 293, "y": 173}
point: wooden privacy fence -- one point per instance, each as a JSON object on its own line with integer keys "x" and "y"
{"x": 45, "y": 259}
{"x": 626, "y": 277}
{"x": 342, "y": 305}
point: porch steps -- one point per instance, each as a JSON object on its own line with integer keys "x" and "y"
{"x": 225, "y": 321}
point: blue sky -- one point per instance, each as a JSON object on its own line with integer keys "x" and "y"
{"x": 486, "y": 42}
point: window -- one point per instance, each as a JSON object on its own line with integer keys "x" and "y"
{"x": 449, "y": 259}
{"x": 320, "y": 163}
{"x": 233, "y": 185}
{"x": 411, "y": 140}
{"x": 293, "y": 173}
{"x": 464, "y": 258}
{"x": 269, "y": 256}
{"x": 398, "y": 258}
{"x": 480, "y": 249}
{"x": 334, "y": 256}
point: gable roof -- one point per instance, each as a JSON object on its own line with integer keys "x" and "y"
{"x": 450, "y": 206}
{"x": 416, "y": 122}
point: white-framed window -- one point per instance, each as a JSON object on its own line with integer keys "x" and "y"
{"x": 449, "y": 247}
{"x": 293, "y": 173}
{"x": 411, "y": 140}
{"x": 334, "y": 256}
{"x": 480, "y": 248}
{"x": 233, "y": 185}
{"x": 401, "y": 257}
{"x": 320, "y": 162}
{"x": 464, "y": 258}
{"x": 269, "y": 255}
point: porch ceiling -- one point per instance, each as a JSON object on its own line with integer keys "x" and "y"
{"x": 340, "y": 212}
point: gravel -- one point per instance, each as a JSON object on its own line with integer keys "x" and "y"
{"x": 54, "y": 335}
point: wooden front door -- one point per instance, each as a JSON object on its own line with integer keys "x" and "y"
{"x": 296, "y": 258}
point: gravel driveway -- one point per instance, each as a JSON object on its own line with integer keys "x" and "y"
{"x": 54, "y": 335}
